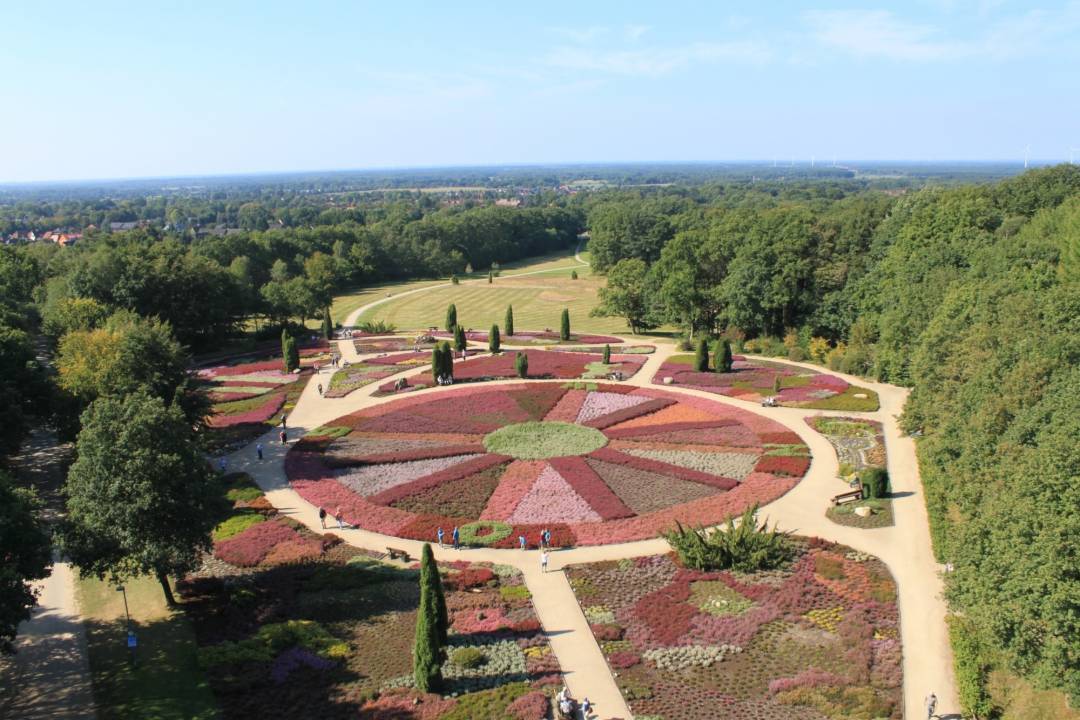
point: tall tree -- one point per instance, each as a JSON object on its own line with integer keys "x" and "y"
{"x": 451, "y": 317}
{"x": 431, "y": 580}
{"x": 723, "y": 356}
{"x": 427, "y": 645}
{"x": 26, "y": 554}
{"x": 521, "y": 365}
{"x": 564, "y": 325}
{"x": 460, "y": 342}
{"x": 140, "y": 495}
{"x": 701, "y": 356}
{"x": 626, "y": 295}
{"x": 327, "y": 324}
{"x": 508, "y": 321}
{"x": 292, "y": 354}
{"x": 493, "y": 339}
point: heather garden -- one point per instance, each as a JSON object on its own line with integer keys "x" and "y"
{"x": 754, "y": 380}
{"x": 860, "y": 448}
{"x": 593, "y": 463}
{"x": 814, "y": 635}
{"x": 291, "y": 623}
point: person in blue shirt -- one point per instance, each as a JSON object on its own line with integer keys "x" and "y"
{"x": 457, "y": 538}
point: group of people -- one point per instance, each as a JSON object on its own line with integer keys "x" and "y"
{"x": 336, "y": 516}
{"x": 568, "y": 706}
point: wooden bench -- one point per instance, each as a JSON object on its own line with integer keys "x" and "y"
{"x": 847, "y": 497}
{"x": 396, "y": 554}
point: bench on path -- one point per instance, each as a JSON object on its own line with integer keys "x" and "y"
{"x": 396, "y": 554}
{"x": 847, "y": 497}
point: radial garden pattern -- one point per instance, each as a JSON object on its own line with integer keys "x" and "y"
{"x": 593, "y": 464}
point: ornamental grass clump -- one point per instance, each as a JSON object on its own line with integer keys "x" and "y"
{"x": 745, "y": 547}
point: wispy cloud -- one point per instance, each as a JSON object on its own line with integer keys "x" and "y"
{"x": 634, "y": 32}
{"x": 654, "y": 62}
{"x": 879, "y": 33}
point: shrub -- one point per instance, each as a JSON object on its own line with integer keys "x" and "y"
{"x": 454, "y": 280}
{"x": 469, "y": 657}
{"x": 493, "y": 339}
{"x": 746, "y": 547}
{"x": 521, "y": 365}
{"x": 971, "y": 670}
{"x": 272, "y": 639}
{"x": 701, "y": 356}
{"x": 234, "y": 526}
{"x": 376, "y": 327}
{"x": 818, "y": 349}
{"x": 514, "y": 592}
{"x": 875, "y": 482}
{"x": 724, "y": 359}
{"x": 493, "y": 703}
{"x": 564, "y": 325}
{"x": 573, "y": 274}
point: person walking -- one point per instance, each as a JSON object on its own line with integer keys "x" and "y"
{"x": 547, "y": 538}
{"x": 586, "y": 708}
{"x": 931, "y": 705}
{"x": 320, "y": 389}
{"x": 340, "y": 522}
{"x": 543, "y": 560}
{"x": 283, "y": 425}
{"x": 322, "y": 517}
{"x": 456, "y": 536}
{"x": 543, "y": 538}
{"x": 259, "y": 451}
{"x": 283, "y": 436}
{"x": 439, "y": 535}
{"x": 521, "y": 541}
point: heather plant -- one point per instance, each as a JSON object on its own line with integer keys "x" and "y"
{"x": 701, "y": 356}
{"x": 746, "y": 546}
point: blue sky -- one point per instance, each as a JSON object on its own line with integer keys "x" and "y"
{"x": 105, "y": 89}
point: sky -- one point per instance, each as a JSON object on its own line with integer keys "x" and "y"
{"x": 111, "y": 90}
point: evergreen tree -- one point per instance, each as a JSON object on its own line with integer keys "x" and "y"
{"x": 493, "y": 339}
{"x": 284, "y": 346}
{"x": 607, "y": 354}
{"x": 491, "y": 277}
{"x": 442, "y": 361}
{"x": 521, "y": 364}
{"x": 701, "y": 356}
{"x": 432, "y": 582}
{"x": 451, "y": 317}
{"x": 564, "y": 325}
{"x": 327, "y": 324}
{"x": 508, "y": 321}
{"x": 292, "y": 354}
{"x": 460, "y": 342}
{"x": 776, "y": 385}
{"x": 427, "y": 649}
{"x": 723, "y": 356}
{"x": 573, "y": 274}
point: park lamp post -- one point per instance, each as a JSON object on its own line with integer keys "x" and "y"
{"x": 132, "y": 640}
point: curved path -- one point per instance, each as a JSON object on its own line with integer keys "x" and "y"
{"x": 905, "y": 547}
{"x": 352, "y": 318}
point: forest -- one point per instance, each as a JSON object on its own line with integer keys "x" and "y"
{"x": 968, "y": 293}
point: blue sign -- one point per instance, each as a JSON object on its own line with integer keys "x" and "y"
{"x": 132, "y": 640}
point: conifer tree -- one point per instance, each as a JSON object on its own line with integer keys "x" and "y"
{"x": 521, "y": 364}
{"x": 508, "y": 321}
{"x": 451, "y": 317}
{"x": 460, "y": 343}
{"x": 701, "y": 356}
{"x": 427, "y": 648}
{"x": 493, "y": 339}
{"x": 564, "y": 325}
{"x": 723, "y": 356}
{"x": 327, "y": 324}
{"x": 430, "y": 579}
{"x": 292, "y": 355}
{"x": 607, "y": 354}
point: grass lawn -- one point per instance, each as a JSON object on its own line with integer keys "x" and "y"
{"x": 166, "y": 681}
{"x": 882, "y": 515}
{"x": 1019, "y": 700}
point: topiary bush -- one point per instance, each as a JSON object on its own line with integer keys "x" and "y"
{"x": 484, "y": 532}
{"x": 468, "y": 657}
{"x": 875, "y": 482}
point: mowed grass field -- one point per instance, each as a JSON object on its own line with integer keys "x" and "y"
{"x": 538, "y": 301}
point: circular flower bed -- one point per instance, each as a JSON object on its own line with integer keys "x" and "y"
{"x": 592, "y": 464}
{"x": 539, "y": 440}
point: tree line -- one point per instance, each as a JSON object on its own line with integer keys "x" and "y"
{"x": 970, "y": 295}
